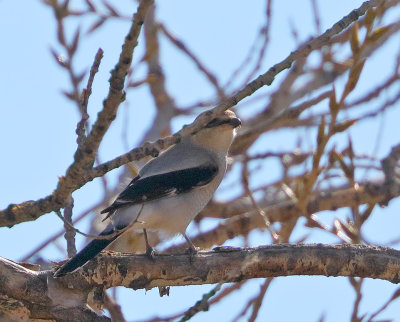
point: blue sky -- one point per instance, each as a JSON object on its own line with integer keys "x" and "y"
{"x": 37, "y": 133}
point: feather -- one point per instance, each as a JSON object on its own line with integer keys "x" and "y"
{"x": 163, "y": 185}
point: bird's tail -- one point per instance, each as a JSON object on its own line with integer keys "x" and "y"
{"x": 89, "y": 252}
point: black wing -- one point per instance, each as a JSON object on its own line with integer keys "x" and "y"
{"x": 162, "y": 185}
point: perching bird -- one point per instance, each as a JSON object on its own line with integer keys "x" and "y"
{"x": 169, "y": 191}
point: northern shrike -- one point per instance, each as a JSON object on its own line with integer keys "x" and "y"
{"x": 169, "y": 191}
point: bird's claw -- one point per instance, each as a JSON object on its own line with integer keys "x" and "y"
{"x": 150, "y": 253}
{"x": 192, "y": 251}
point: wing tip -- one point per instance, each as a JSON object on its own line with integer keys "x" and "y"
{"x": 60, "y": 273}
{"x": 66, "y": 268}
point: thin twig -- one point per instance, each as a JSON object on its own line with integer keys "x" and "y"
{"x": 69, "y": 230}
{"x": 54, "y": 237}
{"x": 114, "y": 308}
{"x": 395, "y": 296}
{"x": 356, "y": 284}
{"x": 84, "y": 100}
{"x": 245, "y": 184}
{"x": 178, "y": 43}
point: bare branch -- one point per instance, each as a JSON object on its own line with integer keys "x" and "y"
{"x": 223, "y": 265}
{"x": 76, "y": 174}
{"x": 84, "y": 100}
{"x": 243, "y": 219}
{"x": 113, "y": 308}
{"x": 156, "y": 78}
{"x": 69, "y": 230}
{"x": 230, "y": 264}
{"x": 178, "y": 43}
{"x": 80, "y": 172}
{"x": 37, "y": 300}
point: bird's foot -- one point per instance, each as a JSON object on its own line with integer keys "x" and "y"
{"x": 192, "y": 250}
{"x": 150, "y": 253}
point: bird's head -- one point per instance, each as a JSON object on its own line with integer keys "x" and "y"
{"x": 217, "y": 135}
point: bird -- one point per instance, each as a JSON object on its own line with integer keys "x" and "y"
{"x": 168, "y": 192}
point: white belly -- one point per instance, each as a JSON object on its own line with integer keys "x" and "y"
{"x": 172, "y": 215}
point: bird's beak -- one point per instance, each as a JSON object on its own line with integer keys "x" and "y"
{"x": 235, "y": 122}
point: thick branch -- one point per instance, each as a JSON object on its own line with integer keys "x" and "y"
{"x": 42, "y": 294}
{"x": 235, "y": 264}
{"x": 26, "y": 294}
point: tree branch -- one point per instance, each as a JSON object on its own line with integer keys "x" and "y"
{"x": 243, "y": 218}
{"x": 77, "y": 174}
{"x": 81, "y": 171}
{"x": 40, "y": 291}
{"x": 227, "y": 264}
{"x": 28, "y": 295}
{"x": 230, "y": 264}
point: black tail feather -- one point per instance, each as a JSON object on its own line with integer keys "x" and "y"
{"x": 86, "y": 254}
